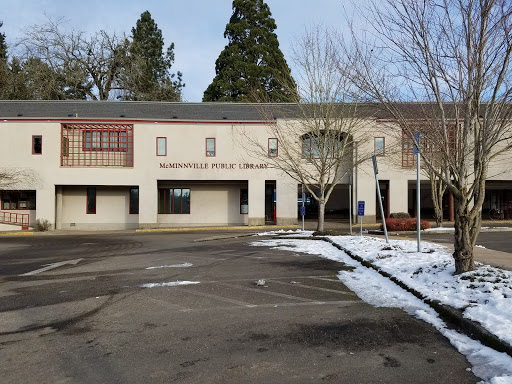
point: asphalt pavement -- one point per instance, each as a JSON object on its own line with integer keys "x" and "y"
{"x": 93, "y": 322}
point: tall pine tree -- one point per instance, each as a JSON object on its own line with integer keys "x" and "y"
{"x": 3, "y": 46}
{"x": 251, "y": 67}
{"x": 147, "y": 75}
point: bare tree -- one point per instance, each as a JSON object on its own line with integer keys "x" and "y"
{"x": 452, "y": 57}
{"x": 90, "y": 65}
{"x": 316, "y": 134}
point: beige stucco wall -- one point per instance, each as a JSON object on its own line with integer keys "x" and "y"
{"x": 185, "y": 145}
{"x": 213, "y": 180}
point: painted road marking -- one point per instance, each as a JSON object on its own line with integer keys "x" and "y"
{"x": 51, "y": 266}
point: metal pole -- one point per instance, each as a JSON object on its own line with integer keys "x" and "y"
{"x": 381, "y": 209}
{"x": 303, "y": 197}
{"x": 350, "y": 202}
{"x": 418, "y": 200}
{"x": 361, "y": 220}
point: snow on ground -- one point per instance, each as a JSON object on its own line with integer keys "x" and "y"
{"x": 184, "y": 265}
{"x": 170, "y": 284}
{"x": 432, "y": 271}
{"x": 485, "y": 295}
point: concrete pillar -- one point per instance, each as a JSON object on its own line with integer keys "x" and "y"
{"x": 398, "y": 195}
{"x": 256, "y": 202}
{"x": 367, "y": 192}
{"x": 58, "y": 207}
{"x": 148, "y": 204}
{"x": 45, "y": 205}
{"x": 286, "y": 202}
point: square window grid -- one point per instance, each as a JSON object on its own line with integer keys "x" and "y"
{"x": 96, "y": 145}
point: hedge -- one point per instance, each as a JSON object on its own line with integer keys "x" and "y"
{"x": 405, "y": 224}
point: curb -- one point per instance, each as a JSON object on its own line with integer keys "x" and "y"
{"x": 178, "y": 229}
{"x": 447, "y": 313}
{"x": 16, "y": 233}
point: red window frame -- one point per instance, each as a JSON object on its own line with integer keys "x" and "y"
{"x": 170, "y": 195}
{"x": 277, "y": 147}
{"x": 383, "y": 146}
{"x": 96, "y": 145}
{"x": 33, "y": 144}
{"x": 93, "y": 193}
{"x": 214, "y": 147}
{"x": 165, "y": 146}
{"x": 242, "y": 192}
{"x": 16, "y": 194}
{"x": 132, "y": 208}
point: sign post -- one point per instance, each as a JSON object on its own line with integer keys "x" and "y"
{"x": 360, "y": 213}
{"x": 417, "y": 153}
{"x": 376, "y": 171}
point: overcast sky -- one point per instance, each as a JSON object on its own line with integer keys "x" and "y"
{"x": 195, "y": 26}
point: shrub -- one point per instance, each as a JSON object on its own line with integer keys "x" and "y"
{"x": 405, "y": 224}
{"x": 400, "y": 215}
{"x": 43, "y": 225}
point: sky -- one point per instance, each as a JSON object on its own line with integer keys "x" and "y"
{"x": 196, "y": 26}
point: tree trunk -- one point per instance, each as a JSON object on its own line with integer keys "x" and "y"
{"x": 463, "y": 244}
{"x": 321, "y": 215}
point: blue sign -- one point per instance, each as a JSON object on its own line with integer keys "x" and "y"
{"x": 416, "y": 142}
{"x": 360, "y": 208}
{"x": 303, "y": 211}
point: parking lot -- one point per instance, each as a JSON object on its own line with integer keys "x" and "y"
{"x": 93, "y": 321}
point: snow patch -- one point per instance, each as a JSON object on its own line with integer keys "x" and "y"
{"x": 170, "y": 284}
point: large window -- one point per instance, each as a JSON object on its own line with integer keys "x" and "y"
{"x": 105, "y": 141}
{"x": 97, "y": 145}
{"x": 161, "y": 146}
{"x": 37, "y": 145}
{"x": 134, "y": 201}
{"x": 272, "y": 147}
{"x": 323, "y": 146}
{"x": 91, "y": 200}
{"x": 174, "y": 200}
{"x": 18, "y": 200}
{"x": 210, "y": 147}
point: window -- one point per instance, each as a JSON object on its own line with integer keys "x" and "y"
{"x": 161, "y": 146}
{"x": 272, "y": 148}
{"x": 96, "y": 145}
{"x": 327, "y": 145}
{"x": 210, "y": 147}
{"x": 105, "y": 141}
{"x": 174, "y": 200}
{"x": 18, "y": 200}
{"x": 134, "y": 201}
{"x": 244, "y": 201}
{"x": 91, "y": 200}
{"x": 37, "y": 145}
{"x": 379, "y": 146}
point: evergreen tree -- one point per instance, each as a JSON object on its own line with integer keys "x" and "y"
{"x": 147, "y": 76}
{"x": 3, "y": 46}
{"x": 251, "y": 67}
{"x": 4, "y": 68}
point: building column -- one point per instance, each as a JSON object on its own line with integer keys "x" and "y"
{"x": 367, "y": 192}
{"x": 398, "y": 192}
{"x": 58, "y": 207}
{"x": 45, "y": 205}
{"x": 286, "y": 203}
{"x": 148, "y": 204}
{"x": 256, "y": 202}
